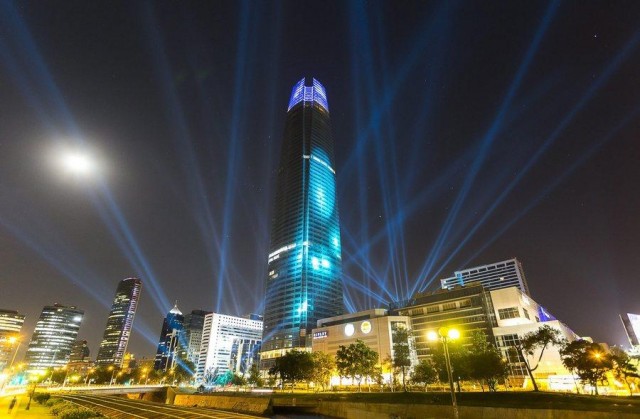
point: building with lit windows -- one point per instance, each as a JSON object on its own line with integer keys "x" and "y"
{"x": 172, "y": 333}
{"x": 516, "y": 315}
{"x": 10, "y": 326}
{"x": 193, "y": 327}
{"x": 53, "y": 338}
{"x": 304, "y": 263}
{"x": 230, "y": 344}
{"x": 468, "y": 309}
{"x": 119, "y": 323}
{"x": 505, "y": 274}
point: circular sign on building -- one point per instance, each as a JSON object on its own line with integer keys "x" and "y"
{"x": 365, "y": 327}
{"x": 349, "y": 329}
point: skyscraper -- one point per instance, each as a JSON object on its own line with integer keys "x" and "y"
{"x": 193, "y": 326}
{"x": 119, "y": 323}
{"x": 494, "y": 276}
{"x": 171, "y": 335}
{"x": 10, "y": 325}
{"x": 304, "y": 264}
{"x": 55, "y": 334}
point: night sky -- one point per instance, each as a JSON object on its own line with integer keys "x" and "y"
{"x": 466, "y": 133}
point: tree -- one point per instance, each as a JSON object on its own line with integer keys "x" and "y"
{"x": 356, "y": 361}
{"x": 401, "y": 350}
{"x": 293, "y": 366}
{"x": 238, "y": 380}
{"x": 425, "y": 372}
{"x": 587, "y": 360}
{"x": 184, "y": 370}
{"x": 623, "y": 368}
{"x": 484, "y": 362}
{"x": 323, "y": 366}
{"x": 531, "y": 342}
{"x": 255, "y": 379}
{"x": 458, "y": 355}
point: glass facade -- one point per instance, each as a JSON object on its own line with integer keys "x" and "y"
{"x": 53, "y": 338}
{"x": 120, "y": 321}
{"x": 304, "y": 264}
{"x": 171, "y": 335}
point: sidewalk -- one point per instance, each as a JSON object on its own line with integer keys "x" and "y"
{"x": 35, "y": 410}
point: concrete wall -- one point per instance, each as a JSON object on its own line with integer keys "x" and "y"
{"x": 418, "y": 411}
{"x": 255, "y": 405}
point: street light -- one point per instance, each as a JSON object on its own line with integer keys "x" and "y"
{"x": 446, "y": 334}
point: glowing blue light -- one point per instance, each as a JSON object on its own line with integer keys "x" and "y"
{"x": 315, "y": 263}
{"x": 325, "y": 263}
{"x": 315, "y": 93}
{"x": 303, "y": 308}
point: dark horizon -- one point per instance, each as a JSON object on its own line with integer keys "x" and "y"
{"x": 466, "y": 133}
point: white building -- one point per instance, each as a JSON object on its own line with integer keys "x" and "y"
{"x": 499, "y": 275}
{"x": 374, "y": 327}
{"x": 229, "y": 343}
{"x": 517, "y": 314}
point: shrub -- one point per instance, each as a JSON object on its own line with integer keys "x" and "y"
{"x": 54, "y": 401}
{"x": 41, "y": 398}
{"x": 79, "y": 413}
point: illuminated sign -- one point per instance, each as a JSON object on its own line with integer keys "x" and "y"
{"x": 365, "y": 327}
{"x": 321, "y": 334}
{"x": 349, "y": 329}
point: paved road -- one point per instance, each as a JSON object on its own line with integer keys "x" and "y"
{"x": 120, "y": 407}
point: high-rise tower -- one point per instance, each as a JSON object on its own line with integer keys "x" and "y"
{"x": 304, "y": 281}
{"x": 120, "y": 321}
{"x": 55, "y": 334}
{"x": 171, "y": 338}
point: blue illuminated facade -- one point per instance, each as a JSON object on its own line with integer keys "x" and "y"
{"x": 304, "y": 275}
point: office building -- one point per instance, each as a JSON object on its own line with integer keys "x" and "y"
{"x": 169, "y": 348}
{"x": 374, "y": 327}
{"x": 10, "y": 326}
{"x": 468, "y": 309}
{"x": 304, "y": 263}
{"x": 53, "y": 338}
{"x": 518, "y": 314}
{"x": 119, "y": 323}
{"x": 229, "y": 345}
{"x": 505, "y": 274}
{"x": 193, "y": 326}
{"x": 631, "y": 323}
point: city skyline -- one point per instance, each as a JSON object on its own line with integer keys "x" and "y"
{"x": 465, "y": 134}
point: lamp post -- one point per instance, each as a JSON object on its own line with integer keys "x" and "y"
{"x": 112, "y": 368}
{"x": 86, "y": 380}
{"x": 446, "y": 334}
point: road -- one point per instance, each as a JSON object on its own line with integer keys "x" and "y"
{"x": 120, "y": 407}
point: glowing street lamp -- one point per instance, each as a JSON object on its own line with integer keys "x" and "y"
{"x": 446, "y": 334}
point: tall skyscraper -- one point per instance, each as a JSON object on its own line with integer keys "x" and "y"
{"x": 304, "y": 264}
{"x": 193, "y": 326}
{"x": 494, "y": 276}
{"x": 229, "y": 344}
{"x": 10, "y": 325}
{"x": 53, "y": 338}
{"x": 119, "y": 323}
{"x": 171, "y": 335}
